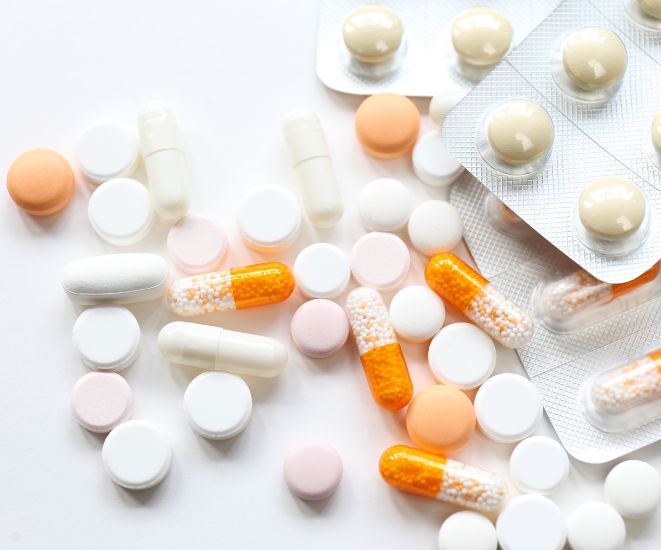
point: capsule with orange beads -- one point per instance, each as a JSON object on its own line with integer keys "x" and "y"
{"x": 433, "y": 476}
{"x": 235, "y": 288}
{"x": 473, "y": 295}
{"x": 380, "y": 354}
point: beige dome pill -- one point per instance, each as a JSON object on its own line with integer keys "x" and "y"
{"x": 372, "y": 33}
{"x": 651, "y": 7}
{"x": 656, "y": 131}
{"x": 481, "y": 36}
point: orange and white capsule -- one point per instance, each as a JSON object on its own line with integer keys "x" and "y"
{"x": 380, "y": 354}
{"x": 433, "y": 476}
{"x": 235, "y": 288}
{"x": 467, "y": 291}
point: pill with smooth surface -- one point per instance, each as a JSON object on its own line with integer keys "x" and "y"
{"x": 651, "y": 7}
{"x": 313, "y": 470}
{"x": 481, "y": 36}
{"x": 101, "y": 401}
{"x": 467, "y": 530}
{"x": 322, "y": 270}
{"x": 539, "y": 465}
{"x": 319, "y": 328}
{"x": 197, "y": 244}
{"x": 372, "y": 33}
{"x": 416, "y": 313}
{"x": 385, "y": 205}
{"x": 595, "y": 526}
{"x": 531, "y": 521}
{"x": 435, "y": 226}
{"x": 633, "y": 488}
{"x": 442, "y": 103}
{"x": 433, "y": 163}
{"x": 107, "y": 151}
{"x": 380, "y": 261}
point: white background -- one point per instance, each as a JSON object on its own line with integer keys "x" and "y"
{"x": 230, "y": 70}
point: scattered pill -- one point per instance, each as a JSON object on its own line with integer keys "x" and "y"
{"x": 380, "y": 261}
{"x": 322, "y": 270}
{"x": 531, "y": 521}
{"x": 442, "y": 103}
{"x": 372, "y": 33}
{"x": 101, "y": 401}
{"x": 595, "y": 526}
{"x": 435, "y": 226}
{"x": 633, "y": 488}
{"x": 467, "y": 530}
{"x": 539, "y": 465}
{"x": 313, "y": 470}
{"x": 433, "y": 163}
{"x": 385, "y": 205}
{"x": 107, "y": 151}
{"x": 481, "y": 36}
{"x": 650, "y": 7}
{"x": 319, "y": 328}
{"x": 416, "y": 313}
{"x": 197, "y": 244}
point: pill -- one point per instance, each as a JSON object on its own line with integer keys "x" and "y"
{"x": 372, "y": 33}
{"x": 481, "y": 36}
{"x": 416, "y": 313}
{"x": 232, "y": 289}
{"x": 433, "y": 476}
{"x": 435, "y": 226}
{"x": 442, "y": 103}
{"x": 387, "y": 125}
{"x": 120, "y": 211}
{"x": 215, "y": 348}
{"x": 380, "y": 261}
{"x": 101, "y": 401}
{"x": 322, "y": 270}
{"x": 319, "y": 328}
{"x": 539, "y": 465}
{"x": 136, "y": 456}
{"x": 467, "y": 530}
{"x": 385, "y": 205}
{"x": 633, "y": 488}
{"x": 656, "y": 131}
{"x": 197, "y": 244}
{"x": 165, "y": 162}
{"x": 508, "y": 408}
{"x": 594, "y": 58}
{"x": 471, "y": 294}
{"x": 440, "y": 419}
{"x": 218, "y": 405}
{"x": 433, "y": 163}
{"x": 531, "y": 521}
{"x": 313, "y": 470}
{"x": 380, "y": 354}
{"x": 115, "y": 278}
{"x": 651, "y": 7}
{"x": 269, "y": 219}
{"x": 107, "y": 151}
{"x": 41, "y": 182}
{"x": 309, "y": 155}
{"x": 462, "y": 355}
{"x": 107, "y": 338}
{"x": 595, "y": 526}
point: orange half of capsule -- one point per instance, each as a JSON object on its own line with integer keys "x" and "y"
{"x": 261, "y": 284}
{"x": 412, "y": 470}
{"x": 388, "y": 376}
{"x": 454, "y": 280}
{"x": 622, "y": 288}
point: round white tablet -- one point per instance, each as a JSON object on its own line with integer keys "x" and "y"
{"x": 434, "y": 227}
{"x": 508, "y": 408}
{"x": 197, "y": 244}
{"x": 385, "y": 205}
{"x": 322, "y": 271}
{"x": 433, "y": 163}
{"x": 467, "y": 531}
{"x": 531, "y": 521}
{"x": 107, "y": 338}
{"x": 120, "y": 211}
{"x": 136, "y": 455}
{"x": 595, "y": 526}
{"x": 633, "y": 488}
{"x": 380, "y": 261}
{"x": 269, "y": 219}
{"x": 462, "y": 355}
{"x": 539, "y": 465}
{"x": 218, "y": 404}
{"x": 416, "y": 313}
{"x": 442, "y": 103}
{"x": 107, "y": 151}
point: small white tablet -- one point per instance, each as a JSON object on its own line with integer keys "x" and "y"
{"x": 435, "y": 226}
{"x": 380, "y": 261}
{"x": 633, "y": 488}
{"x": 107, "y": 151}
{"x": 433, "y": 163}
{"x": 595, "y": 526}
{"x": 322, "y": 270}
{"x": 531, "y": 522}
{"x": 467, "y": 531}
{"x": 385, "y": 205}
{"x": 416, "y": 313}
{"x": 539, "y": 465}
{"x": 443, "y": 102}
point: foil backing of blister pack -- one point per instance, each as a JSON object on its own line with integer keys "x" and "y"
{"x": 560, "y": 364}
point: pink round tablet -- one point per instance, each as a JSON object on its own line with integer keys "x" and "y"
{"x": 313, "y": 470}
{"x": 197, "y": 244}
{"x": 319, "y": 328}
{"x": 380, "y": 261}
{"x": 101, "y": 401}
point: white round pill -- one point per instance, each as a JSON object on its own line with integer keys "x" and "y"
{"x": 322, "y": 271}
{"x": 269, "y": 219}
{"x": 107, "y": 151}
{"x": 508, "y": 408}
{"x": 136, "y": 455}
{"x": 380, "y": 261}
{"x": 539, "y": 465}
{"x": 218, "y": 404}
{"x": 442, "y": 103}
{"x": 467, "y": 531}
{"x": 462, "y": 355}
{"x": 107, "y": 338}
{"x": 531, "y": 521}
{"x": 434, "y": 227}
{"x": 416, "y": 313}
{"x": 433, "y": 163}
{"x": 633, "y": 488}
{"x": 595, "y": 526}
{"x": 120, "y": 211}
{"x": 197, "y": 244}
{"x": 385, "y": 205}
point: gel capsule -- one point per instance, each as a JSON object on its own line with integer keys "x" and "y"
{"x": 432, "y": 476}
{"x": 380, "y": 354}
{"x": 235, "y": 288}
{"x": 469, "y": 292}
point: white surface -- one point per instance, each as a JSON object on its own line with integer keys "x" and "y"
{"x": 539, "y": 465}
{"x": 432, "y": 162}
{"x": 467, "y": 531}
{"x": 380, "y": 261}
{"x": 595, "y": 526}
{"x": 107, "y": 151}
{"x": 322, "y": 271}
{"x": 234, "y": 143}
{"x": 633, "y": 488}
{"x": 435, "y": 226}
{"x": 385, "y": 205}
{"x": 416, "y": 313}
{"x": 531, "y": 521}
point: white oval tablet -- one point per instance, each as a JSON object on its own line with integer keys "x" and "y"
{"x": 197, "y": 244}
{"x": 385, "y": 205}
{"x": 467, "y": 531}
{"x": 107, "y": 151}
{"x": 416, "y": 313}
{"x": 539, "y": 465}
{"x": 531, "y": 522}
{"x": 136, "y": 455}
{"x": 434, "y": 227}
{"x": 633, "y": 488}
{"x": 508, "y": 408}
{"x": 595, "y": 526}
{"x": 120, "y": 211}
{"x": 107, "y": 338}
{"x": 433, "y": 163}
{"x": 380, "y": 261}
{"x": 442, "y": 103}
{"x": 322, "y": 271}
{"x": 462, "y": 355}
{"x": 218, "y": 405}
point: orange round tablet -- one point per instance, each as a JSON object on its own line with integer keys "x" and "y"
{"x": 387, "y": 125}
{"x": 440, "y": 419}
{"x": 41, "y": 182}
